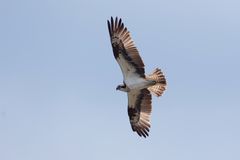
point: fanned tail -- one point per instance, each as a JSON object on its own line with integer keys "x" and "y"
{"x": 161, "y": 82}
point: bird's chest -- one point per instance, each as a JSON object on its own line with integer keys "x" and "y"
{"x": 132, "y": 79}
{"x": 135, "y": 82}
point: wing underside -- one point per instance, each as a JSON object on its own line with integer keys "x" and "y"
{"x": 139, "y": 110}
{"x": 124, "y": 49}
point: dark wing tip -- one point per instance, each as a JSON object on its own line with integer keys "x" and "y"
{"x": 119, "y": 22}
{"x": 142, "y": 132}
{"x": 113, "y": 25}
{"x": 109, "y": 28}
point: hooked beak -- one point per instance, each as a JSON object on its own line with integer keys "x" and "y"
{"x": 118, "y": 87}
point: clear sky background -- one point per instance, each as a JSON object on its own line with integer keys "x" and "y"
{"x": 58, "y": 78}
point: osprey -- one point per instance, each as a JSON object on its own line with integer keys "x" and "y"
{"x": 137, "y": 85}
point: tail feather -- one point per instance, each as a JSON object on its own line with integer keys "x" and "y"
{"x": 161, "y": 82}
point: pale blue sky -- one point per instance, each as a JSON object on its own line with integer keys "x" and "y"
{"x": 58, "y": 79}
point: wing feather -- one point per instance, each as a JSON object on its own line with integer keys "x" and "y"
{"x": 124, "y": 49}
{"x": 139, "y": 110}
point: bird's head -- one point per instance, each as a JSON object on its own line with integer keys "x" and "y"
{"x": 122, "y": 88}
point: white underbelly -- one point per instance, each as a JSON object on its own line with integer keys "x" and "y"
{"x": 131, "y": 78}
{"x": 136, "y": 83}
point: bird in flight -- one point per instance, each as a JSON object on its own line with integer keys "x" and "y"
{"x": 136, "y": 84}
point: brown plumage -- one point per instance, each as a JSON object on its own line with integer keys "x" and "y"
{"x": 137, "y": 85}
{"x": 123, "y": 44}
{"x": 161, "y": 83}
{"x": 139, "y": 110}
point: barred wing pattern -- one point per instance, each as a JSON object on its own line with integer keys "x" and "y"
{"x": 139, "y": 110}
{"x": 124, "y": 50}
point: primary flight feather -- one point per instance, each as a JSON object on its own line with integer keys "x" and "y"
{"x": 137, "y": 85}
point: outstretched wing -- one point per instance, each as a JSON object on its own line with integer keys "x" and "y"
{"x": 124, "y": 50}
{"x": 139, "y": 110}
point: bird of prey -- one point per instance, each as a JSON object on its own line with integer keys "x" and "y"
{"x": 136, "y": 84}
